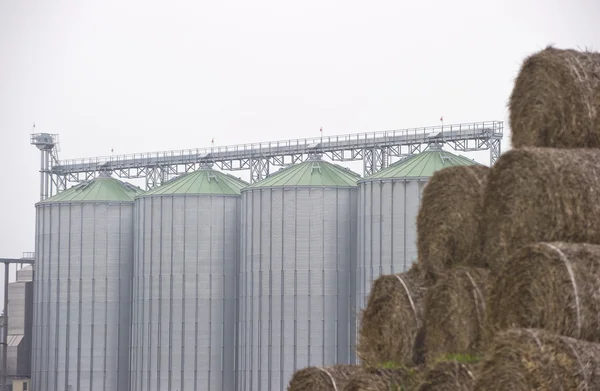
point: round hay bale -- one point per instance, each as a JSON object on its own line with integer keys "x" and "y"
{"x": 540, "y": 195}
{"x": 455, "y": 308}
{"x": 532, "y": 359}
{"x": 555, "y": 101}
{"x": 447, "y": 223}
{"x": 391, "y": 319}
{"x": 448, "y": 376}
{"x": 550, "y": 286}
{"x": 332, "y": 378}
{"x": 383, "y": 379}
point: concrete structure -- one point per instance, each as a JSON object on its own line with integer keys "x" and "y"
{"x": 20, "y": 309}
{"x": 296, "y": 273}
{"x": 81, "y": 322}
{"x": 389, "y": 203}
{"x": 23, "y": 384}
{"x": 184, "y": 284}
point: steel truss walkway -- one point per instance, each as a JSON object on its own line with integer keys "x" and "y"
{"x": 373, "y": 148}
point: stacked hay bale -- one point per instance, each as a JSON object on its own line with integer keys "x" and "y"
{"x": 540, "y": 231}
{"x": 449, "y": 375}
{"x": 448, "y": 219}
{"x": 550, "y": 286}
{"x": 383, "y": 379}
{"x": 332, "y": 378}
{"x": 447, "y": 227}
{"x": 540, "y": 194}
{"x": 530, "y": 359}
{"x": 392, "y": 319}
{"x": 455, "y": 313}
{"x": 556, "y": 100}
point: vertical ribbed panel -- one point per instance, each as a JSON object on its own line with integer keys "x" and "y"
{"x": 387, "y": 234}
{"x": 184, "y": 293}
{"x": 296, "y": 287}
{"x": 81, "y": 303}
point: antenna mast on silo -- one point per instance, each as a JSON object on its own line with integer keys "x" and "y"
{"x": 48, "y": 145}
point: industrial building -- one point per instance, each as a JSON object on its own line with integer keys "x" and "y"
{"x": 206, "y": 282}
{"x": 19, "y": 327}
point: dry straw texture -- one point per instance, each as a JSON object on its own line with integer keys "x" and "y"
{"x": 455, "y": 311}
{"x": 448, "y": 376}
{"x": 391, "y": 319}
{"x": 540, "y": 195}
{"x": 447, "y": 222}
{"x": 556, "y": 100}
{"x": 333, "y": 378}
{"x": 551, "y": 286}
{"x": 383, "y": 379}
{"x": 531, "y": 359}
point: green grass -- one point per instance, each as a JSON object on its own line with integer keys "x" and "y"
{"x": 390, "y": 365}
{"x": 461, "y": 358}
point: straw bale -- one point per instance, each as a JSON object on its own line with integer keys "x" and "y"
{"x": 391, "y": 319}
{"x": 555, "y": 101}
{"x": 533, "y": 359}
{"x": 550, "y": 286}
{"x": 454, "y": 319}
{"x": 383, "y": 379}
{"x": 450, "y": 375}
{"x": 330, "y": 378}
{"x": 447, "y": 222}
{"x": 540, "y": 195}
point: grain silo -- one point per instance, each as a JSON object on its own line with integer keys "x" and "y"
{"x": 83, "y": 256}
{"x": 296, "y": 273}
{"x": 388, "y": 205}
{"x": 184, "y": 284}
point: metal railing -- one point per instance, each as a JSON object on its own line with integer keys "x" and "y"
{"x": 441, "y": 133}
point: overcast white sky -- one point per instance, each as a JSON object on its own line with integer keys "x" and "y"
{"x": 145, "y": 75}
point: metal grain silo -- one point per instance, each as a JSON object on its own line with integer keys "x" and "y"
{"x": 184, "y": 284}
{"x": 83, "y": 256}
{"x": 296, "y": 273}
{"x": 388, "y": 205}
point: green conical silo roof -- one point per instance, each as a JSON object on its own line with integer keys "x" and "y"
{"x": 422, "y": 165}
{"x": 313, "y": 172}
{"x": 98, "y": 189}
{"x": 203, "y": 181}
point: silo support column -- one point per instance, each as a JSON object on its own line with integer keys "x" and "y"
{"x": 259, "y": 169}
{"x": 374, "y": 160}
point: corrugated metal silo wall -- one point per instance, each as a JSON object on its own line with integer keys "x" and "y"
{"x": 184, "y": 294}
{"x": 82, "y": 297}
{"x": 387, "y": 233}
{"x": 296, "y": 283}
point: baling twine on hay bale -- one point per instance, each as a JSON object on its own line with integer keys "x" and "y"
{"x": 550, "y": 286}
{"x": 533, "y": 359}
{"x": 447, "y": 222}
{"x": 540, "y": 195}
{"x": 383, "y": 379}
{"x": 449, "y": 375}
{"x": 391, "y": 319}
{"x": 455, "y": 311}
{"x": 330, "y": 378}
{"x": 555, "y": 101}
